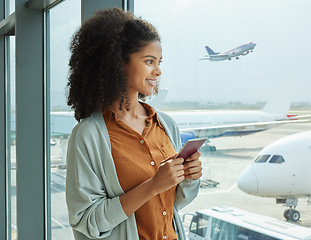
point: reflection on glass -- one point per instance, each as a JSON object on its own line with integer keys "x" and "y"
{"x": 63, "y": 23}
{"x": 10, "y": 6}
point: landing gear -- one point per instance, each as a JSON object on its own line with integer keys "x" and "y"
{"x": 292, "y": 215}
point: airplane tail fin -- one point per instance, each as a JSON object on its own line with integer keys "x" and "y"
{"x": 158, "y": 100}
{"x": 210, "y": 51}
{"x": 277, "y": 105}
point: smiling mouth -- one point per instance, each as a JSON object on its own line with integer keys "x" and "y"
{"x": 152, "y": 82}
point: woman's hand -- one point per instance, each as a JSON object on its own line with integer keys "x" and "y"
{"x": 169, "y": 174}
{"x": 193, "y": 166}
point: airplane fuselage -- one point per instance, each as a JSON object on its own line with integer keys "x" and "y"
{"x": 228, "y": 55}
{"x": 203, "y": 119}
{"x": 64, "y": 122}
{"x": 286, "y": 171}
{"x": 241, "y": 50}
{"x": 215, "y": 118}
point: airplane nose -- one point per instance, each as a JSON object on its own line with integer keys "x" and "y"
{"x": 248, "y": 182}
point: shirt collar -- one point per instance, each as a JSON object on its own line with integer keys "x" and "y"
{"x": 109, "y": 115}
{"x": 151, "y": 114}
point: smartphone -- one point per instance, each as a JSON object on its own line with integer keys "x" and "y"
{"x": 190, "y": 147}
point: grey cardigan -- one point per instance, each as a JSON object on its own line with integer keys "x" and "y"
{"x": 93, "y": 189}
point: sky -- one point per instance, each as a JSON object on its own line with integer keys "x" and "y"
{"x": 279, "y": 66}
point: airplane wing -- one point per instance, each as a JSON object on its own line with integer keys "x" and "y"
{"x": 294, "y": 117}
{"x": 205, "y": 58}
{"x": 215, "y": 57}
{"x": 237, "y": 129}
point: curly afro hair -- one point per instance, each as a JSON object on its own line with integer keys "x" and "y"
{"x": 98, "y": 50}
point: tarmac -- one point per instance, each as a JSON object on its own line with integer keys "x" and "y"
{"x": 223, "y": 166}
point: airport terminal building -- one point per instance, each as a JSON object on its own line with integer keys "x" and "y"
{"x": 35, "y": 121}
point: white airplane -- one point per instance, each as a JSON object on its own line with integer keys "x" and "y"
{"x": 211, "y": 124}
{"x": 234, "y": 53}
{"x": 282, "y": 171}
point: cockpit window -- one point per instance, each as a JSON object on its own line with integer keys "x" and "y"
{"x": 262, "y": 158}
{"x": 277, "y": 159}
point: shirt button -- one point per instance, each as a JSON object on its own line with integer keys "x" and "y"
{"x": 142, "y": 141}
{"x": 164, "y": 237}
{"x": 164, "y": 213}
{"x": 152, "y": 163}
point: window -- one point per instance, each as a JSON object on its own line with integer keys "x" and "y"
{"x": 199, "y": 225}
{"x": 277, "y": 159}
{"x": 11, "y": 6}
{"x": 12, "y": 136}
{"x": 262, "y": 159}
{"x": 261, "y": 79}
{"x": 63, "y": 24}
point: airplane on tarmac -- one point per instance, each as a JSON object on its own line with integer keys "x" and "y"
{"x": 211, "y": 124}
{"x": 214, "y": 124}
{"x": 234, "y": 53}
{"x": 282, "y": 171}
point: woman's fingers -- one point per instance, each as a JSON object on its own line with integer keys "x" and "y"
{"x": 193, "y": 166}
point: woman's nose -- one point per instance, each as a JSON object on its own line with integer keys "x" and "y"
{"x": 158, "y": 71}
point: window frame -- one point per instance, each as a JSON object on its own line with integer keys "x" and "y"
{"x": 31, "y": 29}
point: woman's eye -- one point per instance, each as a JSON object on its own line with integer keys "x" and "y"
{"x": 150, "y": 61}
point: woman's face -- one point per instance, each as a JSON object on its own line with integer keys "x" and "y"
{"x": 142, "y": 70}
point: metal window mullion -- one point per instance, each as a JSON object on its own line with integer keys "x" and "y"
{"x": 47, "y": 122}
{"x": 31, "y": 143}
{"x": 8, "y": 140}
{"x": 130, "y": 5}
{"x": 42, "y": 4}
{"x": 88, "y": 7}
{"x": 5, "y": 135}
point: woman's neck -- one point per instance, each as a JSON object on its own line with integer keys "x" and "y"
{"x": 136, "y": 110}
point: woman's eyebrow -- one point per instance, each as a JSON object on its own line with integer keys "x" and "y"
{"x": 151, "y": 56}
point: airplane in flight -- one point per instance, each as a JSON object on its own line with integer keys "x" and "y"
{"x": 282, "y": 171}
{"x": 234, "y": 53}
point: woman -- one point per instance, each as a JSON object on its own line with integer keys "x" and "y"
{"x": 122, "y": 179}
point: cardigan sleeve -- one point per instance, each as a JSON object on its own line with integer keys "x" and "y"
{"x": 188, "y": 189}
{"x": 91, "y": 210}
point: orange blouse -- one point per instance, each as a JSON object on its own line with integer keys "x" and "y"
{"x": 137, "y": 158}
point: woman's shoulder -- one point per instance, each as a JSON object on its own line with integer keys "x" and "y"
{"x": 166, "y": 118}
{"x": 89, "y": 126}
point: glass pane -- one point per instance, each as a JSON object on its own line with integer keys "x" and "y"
{"x": 265, "y": 84}
{"x": 11, "y": 76}
{"x": 277, "y": 159}
{"x": 63, "y": 24}
{"x": 262, "y": 158}
{"x": 10, "y": 6}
